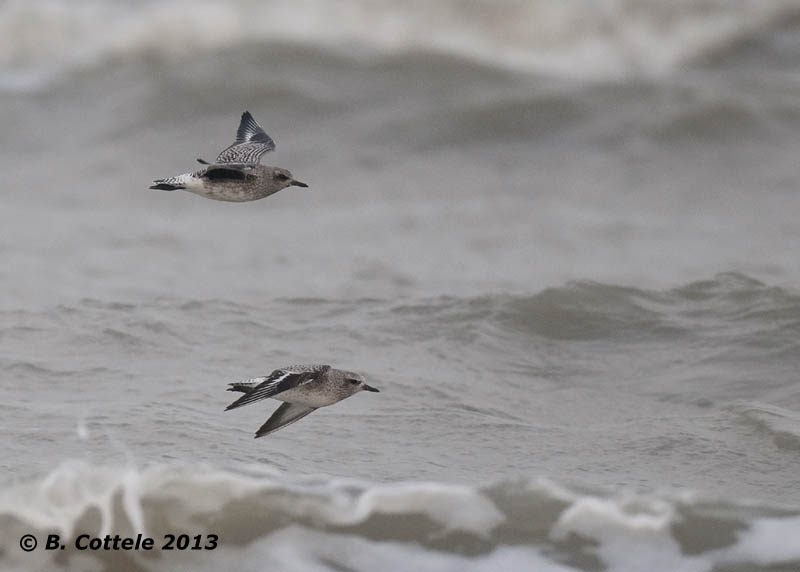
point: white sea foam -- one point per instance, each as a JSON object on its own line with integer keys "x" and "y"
{"x": 617, "y": 525}
{"x": 576, "y": 38}
{"x": 316, "y": 523}
{"x": 300, "y": 549}
{"x": 768, "y": 541}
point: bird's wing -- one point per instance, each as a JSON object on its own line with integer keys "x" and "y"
{"x": 227, "y": 171}
{"x": 277, "y": 382}
{"x": 284, "y": 415}
{"x": 251, "y": 142}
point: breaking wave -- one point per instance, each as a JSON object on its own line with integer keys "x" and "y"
{"x": 273, "y": 520}
{"x": 576, "y": 38}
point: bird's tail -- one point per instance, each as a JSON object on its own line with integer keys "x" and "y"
{"x": 173, "y": 183}
{"x": 242, "y": 386}
{"x": 165, "y": 186}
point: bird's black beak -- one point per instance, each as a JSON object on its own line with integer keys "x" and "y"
{"x": 370, "y": 388}
{"x": 298, "y": 184}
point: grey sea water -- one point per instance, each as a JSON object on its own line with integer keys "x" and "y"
{"x": 560, "y": 238}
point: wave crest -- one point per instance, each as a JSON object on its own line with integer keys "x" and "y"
{"x": 298, "y": 521}
{"x": 573, "y": 38}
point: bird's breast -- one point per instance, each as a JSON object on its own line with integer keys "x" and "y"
{"x": 311, "y": 396}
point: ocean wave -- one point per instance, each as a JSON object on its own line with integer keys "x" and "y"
{"x": 782, "y": 424}
{"x": 590, "y": 310}
{"x": 731, "y": 307}
{"x": 330, "y": 524}
{"x": 574, "y": 38}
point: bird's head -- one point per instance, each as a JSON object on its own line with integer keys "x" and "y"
{"x": 356, "y": 382}
{"x": 283, "y": 178}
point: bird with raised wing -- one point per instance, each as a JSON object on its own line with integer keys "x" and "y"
{"x": 236, "y": 175}
{"x": 302, "y": 388}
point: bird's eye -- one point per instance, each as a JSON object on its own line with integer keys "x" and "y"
{"x": 282, "y": 177}
{"x": 354, "y": 381}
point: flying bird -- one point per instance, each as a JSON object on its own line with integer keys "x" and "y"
{"x": 302, "y": 388}
{"x": 236, "y": 175}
